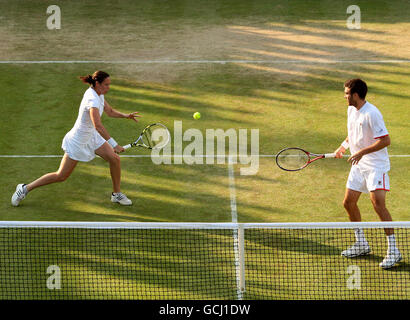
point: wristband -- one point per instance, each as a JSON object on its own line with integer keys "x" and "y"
{"x": 112, "y": 142}
{"x": 345, "y": 145}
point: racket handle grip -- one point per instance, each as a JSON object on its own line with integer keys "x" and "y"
{"x": 330, "y": 155}
{"x": 127, "y": 146}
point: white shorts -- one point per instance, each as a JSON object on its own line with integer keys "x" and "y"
{"x": 80, "y": 151}
{"x": 367, "y": 181}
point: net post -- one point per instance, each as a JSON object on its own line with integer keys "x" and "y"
{"x": 241, "y": 245}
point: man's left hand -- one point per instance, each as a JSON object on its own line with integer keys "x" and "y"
{"x": 355, "y": 158}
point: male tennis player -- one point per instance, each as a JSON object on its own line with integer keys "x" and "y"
{"x": 368, "y": 140}
{"x": 86, "y": 139}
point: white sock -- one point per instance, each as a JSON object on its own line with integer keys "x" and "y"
{"x": 391, "y": 240}
{"x": 359, "y": 233}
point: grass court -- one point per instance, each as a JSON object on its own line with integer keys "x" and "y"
{"x": 276, "y": 66}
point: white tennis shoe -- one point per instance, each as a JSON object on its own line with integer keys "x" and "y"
{"x": 358, "y": 249}
{"x": 18, "y": 195}
{"x": 121, "y": 199}
{"x": 391, "y": 259}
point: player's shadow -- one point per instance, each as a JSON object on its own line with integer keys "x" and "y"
{"x": 172, "y": 102}
{"x": 293, "y": 240}
{"x": 121, "y": 264}
{"x": 313, "y": 242}
{"x": 376, "y": 259}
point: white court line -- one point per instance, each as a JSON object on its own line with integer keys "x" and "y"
{"x": 234, "y": 218}
{"x": 199, "y": 61}
{"x": 232, "y": 191}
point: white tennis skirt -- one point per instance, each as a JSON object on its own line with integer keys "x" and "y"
{"x": 82, "y": 151}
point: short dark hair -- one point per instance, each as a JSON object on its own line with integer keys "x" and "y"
{"x": 357, "y": 86}
{"x": 99, "y": 76}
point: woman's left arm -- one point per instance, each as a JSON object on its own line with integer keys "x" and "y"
{"x": 111, "y": 112}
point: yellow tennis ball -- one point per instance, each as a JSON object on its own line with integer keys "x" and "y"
{"x": 197, "y": 115}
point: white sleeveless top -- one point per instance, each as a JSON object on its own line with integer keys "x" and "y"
{"x": 83, "y": 139}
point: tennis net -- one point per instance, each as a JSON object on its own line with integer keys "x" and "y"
{"x": 291, "y": 261}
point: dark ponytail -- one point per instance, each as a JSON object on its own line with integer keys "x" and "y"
{"x": 99, "y": 76}
{"x": 88, "y": 79}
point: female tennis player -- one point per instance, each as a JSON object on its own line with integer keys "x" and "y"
{"x": 86, "y": 139}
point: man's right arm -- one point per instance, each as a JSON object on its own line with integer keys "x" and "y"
{"x": 342, "y": 149}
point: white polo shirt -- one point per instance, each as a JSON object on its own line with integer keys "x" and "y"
{"x": 364, "y": 126}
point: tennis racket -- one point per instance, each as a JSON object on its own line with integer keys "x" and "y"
{"x": 295, "y": 159}
{"x": 154, "y": 136}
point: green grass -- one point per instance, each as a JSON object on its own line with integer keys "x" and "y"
{"x": 298, "y": 104}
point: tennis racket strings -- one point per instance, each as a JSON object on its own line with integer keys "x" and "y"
{"x": 155, "y": 136}
{"x": 292, "y": 159}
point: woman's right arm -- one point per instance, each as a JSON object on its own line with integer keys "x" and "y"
{"x": 96, "y": 119}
